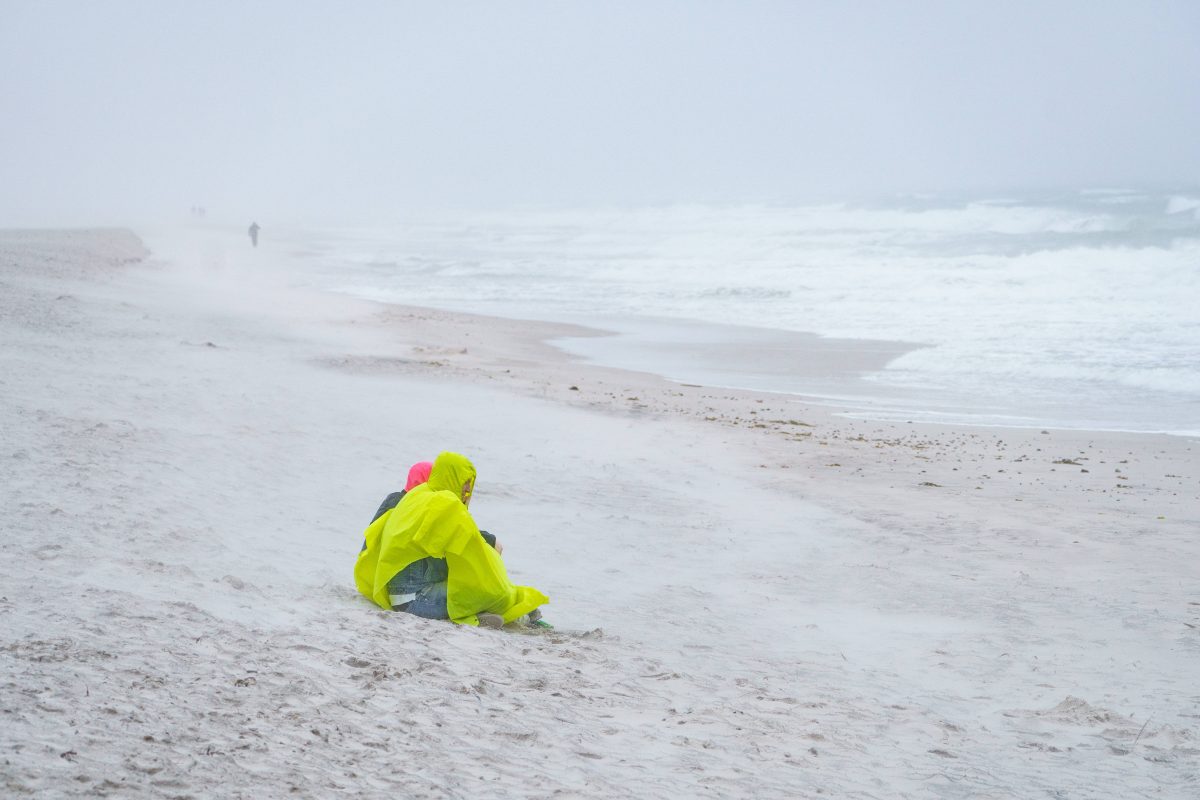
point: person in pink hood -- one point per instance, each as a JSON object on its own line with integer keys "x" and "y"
{"x": 417, "y": 474}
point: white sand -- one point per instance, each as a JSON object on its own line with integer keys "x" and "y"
{"x": 754, "y": 598}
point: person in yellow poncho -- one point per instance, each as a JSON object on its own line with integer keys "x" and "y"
{"x": 426, "y": 556}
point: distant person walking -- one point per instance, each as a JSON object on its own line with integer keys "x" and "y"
{"x": 254, "y": 233}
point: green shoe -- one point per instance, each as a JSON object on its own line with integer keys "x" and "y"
{"x": 534, "y": 620}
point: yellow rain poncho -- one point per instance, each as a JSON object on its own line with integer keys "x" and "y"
{"x": 432, "y": 520}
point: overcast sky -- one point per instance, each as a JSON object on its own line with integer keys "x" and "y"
{"x": 323, "y": 110}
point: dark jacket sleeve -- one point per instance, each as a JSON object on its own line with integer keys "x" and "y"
{"x": 388, "y": 503}
{"x": 489, "y": 538}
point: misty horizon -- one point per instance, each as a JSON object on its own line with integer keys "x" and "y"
{"x": 133, "y": 111}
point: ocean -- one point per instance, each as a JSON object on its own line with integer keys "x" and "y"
{"x": 1069, "y": 310}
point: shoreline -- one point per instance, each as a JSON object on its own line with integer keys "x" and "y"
{"x": 832, "y": 372}
{"x": 755, "y": 597}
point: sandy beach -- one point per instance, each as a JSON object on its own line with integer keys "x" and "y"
{"x": 754, "y": 596}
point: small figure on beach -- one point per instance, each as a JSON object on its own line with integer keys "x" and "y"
{"x": 424, "y": 554}
{"x": 254, "y": 229}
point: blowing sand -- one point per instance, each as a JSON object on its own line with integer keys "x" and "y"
{"x": 754, "y": 597}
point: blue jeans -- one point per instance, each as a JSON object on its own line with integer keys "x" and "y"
{"x": 430, "y": 602}
{"x": 427, "y": 579}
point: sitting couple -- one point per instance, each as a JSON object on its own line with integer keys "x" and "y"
{"x": 424, "y": 554}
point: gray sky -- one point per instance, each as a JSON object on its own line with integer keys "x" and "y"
{"x": 318, "y": 110}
